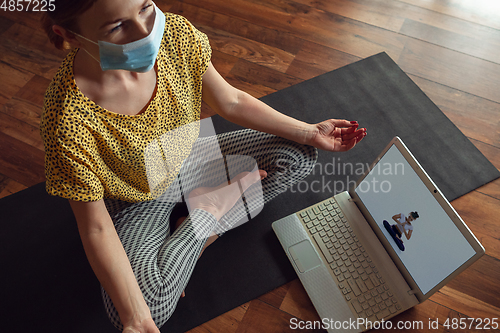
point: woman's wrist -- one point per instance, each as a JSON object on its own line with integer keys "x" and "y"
{"x": 135, "y": 318}
{"x": 306, "y": 134}
{"x": 133, "y": 311}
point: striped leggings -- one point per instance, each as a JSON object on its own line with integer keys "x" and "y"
{"x": 163, "y": 261}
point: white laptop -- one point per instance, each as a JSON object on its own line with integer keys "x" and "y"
{"x": 380, "y": 248}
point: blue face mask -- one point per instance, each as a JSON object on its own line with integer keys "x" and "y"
{"x": 137, "y": 56}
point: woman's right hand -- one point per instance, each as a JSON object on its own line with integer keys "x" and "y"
{"x": 145, "y": 326}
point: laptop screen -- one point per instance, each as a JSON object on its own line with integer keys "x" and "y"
{"x": 425, "y": 238}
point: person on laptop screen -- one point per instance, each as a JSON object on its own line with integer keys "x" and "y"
{"x": 402, "y": 227}
{"x": 403, "y": 224}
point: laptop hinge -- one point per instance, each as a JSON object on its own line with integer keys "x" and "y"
{"x": 412, "y": 292}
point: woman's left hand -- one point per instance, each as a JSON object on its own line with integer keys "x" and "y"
{"x": 336, "y": 135}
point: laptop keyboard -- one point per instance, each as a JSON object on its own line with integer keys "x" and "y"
{"x": 357, "y": 277}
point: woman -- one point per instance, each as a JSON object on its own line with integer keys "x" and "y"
{"x": 133, "y": 75}
{"x": 403, "y": 224}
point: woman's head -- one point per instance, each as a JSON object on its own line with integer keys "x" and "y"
{"x": 413, "y": 216}
{"x": 115, "y": 21}
{"x": 65, "y": 15}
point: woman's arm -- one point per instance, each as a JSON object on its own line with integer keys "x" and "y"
{"x": 396, "y": 218}
{"x": 110, "y": 263}
{"x": 247, "y": 111}
{"x": 244, "y": 110}
{"x": 408, "y": 233}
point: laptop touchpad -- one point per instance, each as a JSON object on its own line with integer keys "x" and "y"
{"x": 304, "y": 256}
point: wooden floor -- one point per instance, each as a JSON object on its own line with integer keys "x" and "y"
{"x": 450, "y": 48}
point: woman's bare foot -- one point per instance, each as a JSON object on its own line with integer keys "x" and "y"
{"x": 220, "y": 199}
{"x": 245, "y": 178}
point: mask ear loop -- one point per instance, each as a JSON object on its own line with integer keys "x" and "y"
{"x": 91, "y": 55}
{"x": 85, "y": 48}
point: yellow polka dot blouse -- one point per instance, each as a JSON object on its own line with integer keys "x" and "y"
{"x": 92, "y": 153}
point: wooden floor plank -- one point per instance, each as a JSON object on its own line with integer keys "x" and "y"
{"x": 228, "y": 323}
{"x": 5, "y": 24}
{"x": 247, "y": 30}
{"x": 480, "y": 281}
{"x": 249, "y": 50}
{"x": 28, "y": 19}
{"x": 9, "y": 186}
{"x": 252, "y": 73}
{"x": 449, "y": 67}
{"x": 472, "y": 44}
{"x": 261, "y": 317}
{"x": 419, "y": 318}
{"x": 418, "y": 22}
{"x": 275, "y": 297}
{"x": 26, "y": 105}
{"x": 33, "y": 39}
{"x": 483, "y": 221}
{"x": 165, "y": 5}
{"x": 29, "y": 49}
{"x": 255, "y": 90}
{"x": 346, "y": 35}
{"x": 428, "y": 316}
{"x": 491, "y": 189}
{"x": 476, "y": 117}
{"x": 314, "y": 59}
{"x": 13, "y": 79}
{"x": 23, "y": 111}
{"x": 21, "y": 162}
{"x": 481, "y": 12}
{"x": 223, "y": 62}
{"x": 298, "y": 304}
{"x": 34, "y": 90}
{"x": 490, "y": 151}
{"x": 21, "y": 131}
{"x": 465, "y": 304}
{"x": 388, "y": 15}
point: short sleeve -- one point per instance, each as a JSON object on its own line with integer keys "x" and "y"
{"x": 189, "y": 42}
{"x": 202, "y": 45}
{"x": 68, "y": 169}
{"x": 68, "y": 150}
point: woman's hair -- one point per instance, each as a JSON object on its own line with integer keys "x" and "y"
{"x": 414, "y": 215}
{"x": 66, "y": 15}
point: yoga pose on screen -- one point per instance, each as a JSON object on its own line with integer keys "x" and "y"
{"x": 403, "y": 224}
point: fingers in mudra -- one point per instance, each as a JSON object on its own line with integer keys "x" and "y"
{"x": 220, "y": 199}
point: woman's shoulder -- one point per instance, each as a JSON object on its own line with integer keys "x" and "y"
{"x": 62, "y": 105}
{"x": 179, "y": 26}
{"x": 62, "y": 91}
{"x": 64, "y": 75}
{"x": 62, "y": 88}
{"x": 175, "y": 19}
